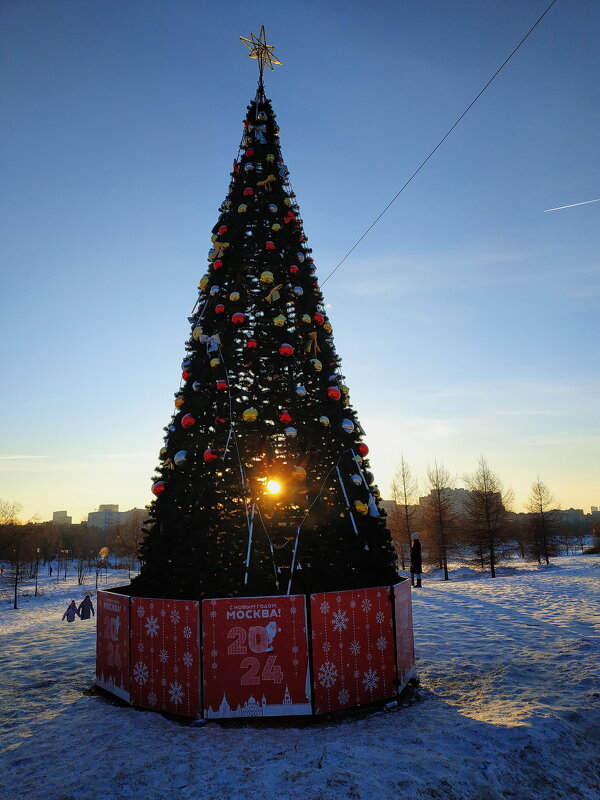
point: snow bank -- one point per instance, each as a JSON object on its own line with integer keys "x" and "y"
{"x": 509, "y": 708}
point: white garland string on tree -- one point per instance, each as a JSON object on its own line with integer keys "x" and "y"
{"x": 339, "y": 474}
{"x": 373, "y": 510}
{"x": 250, "y": 529}
{"x": 318, "y": 497}
{"x": 271, "y": 547}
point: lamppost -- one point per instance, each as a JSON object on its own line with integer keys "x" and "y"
{"x": 37, "y": 565}
{"x": 66, "y": 552}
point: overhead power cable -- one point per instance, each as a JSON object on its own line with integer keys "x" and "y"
{"x": 439, "y": 144}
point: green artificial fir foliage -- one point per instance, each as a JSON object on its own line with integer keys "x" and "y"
{"x": 262, "y": 399}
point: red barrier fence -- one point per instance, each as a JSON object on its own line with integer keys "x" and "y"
{"x": 112, "y": 643}
{"x": 256, "y": 656}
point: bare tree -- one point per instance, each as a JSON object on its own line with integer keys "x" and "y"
{"x": 485, "y": 515}
{"x": 543, "y": 523}
{"x": 440, "y": 515}
{"x": 125, "y": 539}
{"x": 402, "y": 518}
{"x": 9, "y": 512}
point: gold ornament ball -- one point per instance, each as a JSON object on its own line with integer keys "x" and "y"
{"x": 214, "y": 362}
{"x": 317, "y": 365}
{"x": 279, "y": 321}
{"x": 361, "y": 507}
{"x": 266, "y": 277}
{"x": 197, "y": 332}
{"x": 324, "y": 421}
{"x": 179, "y": 401}
{"x": 306, "y": 319}
{"x": 250, "y": 415}
{"x": 327, "y": 327}
{"x": 234, "y": 297}
{"x": 344, "y": 389}
{"x": 242, "y": 208}
{"x": 270, "y": 158}
{"x": 276, "y": 226}
{"x": 299, "y": 473}
{"x": 203, "y": 282}
{"x": 287, "y": 202}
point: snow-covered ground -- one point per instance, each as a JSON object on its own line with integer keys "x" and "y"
{"x": 509, "y": 707}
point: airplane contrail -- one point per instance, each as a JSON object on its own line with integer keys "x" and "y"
{"x": 585, "y": 202}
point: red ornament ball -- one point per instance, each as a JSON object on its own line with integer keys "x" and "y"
{"x": 238, "y": 318}
{"x": 210, "y": 455}
{"x": 251, "y": 344}
{"x": 333, "y": 393}
{"x": 221, "y": 386}
{"x": 248, "y": 192}
{"x": 222, "y": 230}
{"x": 270, "y": 246}
{"x": 219, "y": 309}
{"x": 217, "y": 264}
{"x": 285, "y": 417}
{"x": 363, "y": 449}
{"x": 186, "y": 374}
{"x": 158, "y": 487}
{"x": 319, "y": 318}
{"x": 286, "y": 350}
{"x": 220, "y": 420}
{"x": 294, "y": 269}
{"x": 188, "y": 421}
{"x": 249, "y": 152}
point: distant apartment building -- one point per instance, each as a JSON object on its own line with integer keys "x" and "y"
{"x": 108, "y": 516}
{"x": 459, "y": 498}
{"x": 61, "y": 518}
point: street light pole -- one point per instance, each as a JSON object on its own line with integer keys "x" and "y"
{"x": 37, "y": 566}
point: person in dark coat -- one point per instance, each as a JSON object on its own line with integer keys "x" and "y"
{"x": 416, "y": 564}
{"x": 85, "y": 608}
{"x": 71, "y": 612}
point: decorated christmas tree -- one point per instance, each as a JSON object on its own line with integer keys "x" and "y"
{"x": 264, "y": 484}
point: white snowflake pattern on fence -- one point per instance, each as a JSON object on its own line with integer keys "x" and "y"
{"x": 176, "y": 692}
{"x": 339, "y": 621}
{"x": 381, "y": 643}
{"x": 327, "y": 674}
{"x": 343, "y": 697}
{"x": 152, "y": 626}
{"x": 370, "y": 680}
{"x": 355, "y": 648}
{"x": 164, "y": 656}
{"x": 140, "y": 611}
{"x": 175, "y": 616}
{"x": 188, "y": 660}
{"x": 366, "y": 605}
{"x": 379, "y": 617}
{"x": 152, "y": 699}
{"x": 140, "y": 673}
{"x": 324, "y": 607}
{"x": 187, "y": 632}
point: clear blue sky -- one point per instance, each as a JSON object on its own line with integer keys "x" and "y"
{"x": 467, "y": 320}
